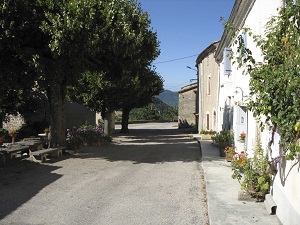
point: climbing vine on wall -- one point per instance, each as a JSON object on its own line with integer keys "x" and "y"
{"x": 275, "y": 82}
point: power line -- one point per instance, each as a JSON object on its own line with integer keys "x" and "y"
{"x": 175, "y": 59}
{"x": 178, "y": 85}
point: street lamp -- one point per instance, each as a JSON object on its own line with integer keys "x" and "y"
{"x": 242, "y": 92}
{"x": 190, "y": 68}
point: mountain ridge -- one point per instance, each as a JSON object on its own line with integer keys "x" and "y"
{"x": 169, "y": 97}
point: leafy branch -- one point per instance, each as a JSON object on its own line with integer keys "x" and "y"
{"x": 274, "y": 82}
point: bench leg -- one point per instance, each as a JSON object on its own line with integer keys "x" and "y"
{"x": 42, "y": 156}
{"x": 56, "y": 154}
{"x": 13, "y": 155}
{"x": 33, "y": 158}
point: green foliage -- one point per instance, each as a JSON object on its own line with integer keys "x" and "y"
{"x": 91, "y": 135}
{"x": 48, "y": 45}
{"x": 27, "y": 131}
{"x": 20, "y": 40}
{"x": 223, "y": 138}
{"x": 155, "y": 111}
{"x": 253, "y": 174}
{"x": 274, "y": 83}
{"x": 146, "y": 113}
{"x": 75, "y": 142}
{"x": 126, "y": 79}
{"x": 3, "y": 132}
{"x": 210, "y": 132}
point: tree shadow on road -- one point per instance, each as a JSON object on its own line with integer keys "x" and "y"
{"x": 147, "y": 146}
{"x": 20, "y": 181}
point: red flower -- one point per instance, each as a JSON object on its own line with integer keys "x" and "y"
{"x": 241, "y": 160}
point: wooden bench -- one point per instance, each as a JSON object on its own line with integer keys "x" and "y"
{"x": 43, "y": 153}
{"x": 199, "y": 142}
{"x": 13, "y": 150}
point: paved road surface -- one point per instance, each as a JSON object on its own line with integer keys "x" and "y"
{"x": 150, "y": 176}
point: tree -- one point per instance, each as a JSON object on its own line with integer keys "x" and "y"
{"x": 126, "y": 72}
{"x": 274, "y": 84}
{"x": 138, "y": 95}
{"x": 20, "y": 41}
{"x": 51, "y": 43}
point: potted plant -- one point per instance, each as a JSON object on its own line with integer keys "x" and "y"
{"x": 224, "y": 138}
{"x": 13, "y": 133}
{"x": 252, "y": 173}
{"x": 242, "y": 137}
{"x": 230, "y": 151}
{"x": 207, "y": 134}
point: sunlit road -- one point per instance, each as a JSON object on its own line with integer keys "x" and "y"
{"x": 150, "y": 176}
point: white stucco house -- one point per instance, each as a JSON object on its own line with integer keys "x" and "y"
{"x": 233, "y": 92}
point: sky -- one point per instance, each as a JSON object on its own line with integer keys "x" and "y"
{"x": 184, "y": 28}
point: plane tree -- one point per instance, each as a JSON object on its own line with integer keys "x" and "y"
{"x": 20, "y": 40}
{"x": 47, "y": 45}
{"x": 127, "y": 72}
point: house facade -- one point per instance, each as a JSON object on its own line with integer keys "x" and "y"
{"x": 233, "y": 94}
{"x": 187, "y": 106}
{"x": 208, "y": 82}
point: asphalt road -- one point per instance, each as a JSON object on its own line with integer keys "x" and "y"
{"x": 150, "y": 176}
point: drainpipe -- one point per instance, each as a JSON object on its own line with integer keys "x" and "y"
{"x": 200, "y": 119}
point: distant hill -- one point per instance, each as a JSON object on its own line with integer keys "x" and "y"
{"x": 169, "y": 97}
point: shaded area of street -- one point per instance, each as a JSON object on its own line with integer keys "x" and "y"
{"x": 150, "y": 176}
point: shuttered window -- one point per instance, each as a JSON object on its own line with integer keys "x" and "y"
{"x": 227, "y": 61}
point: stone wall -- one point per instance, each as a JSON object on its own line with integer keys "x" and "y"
{"x": 187, "y": 106}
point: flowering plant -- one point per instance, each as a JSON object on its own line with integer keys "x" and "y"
{"x": 252, "y": 173}
{"x": 242, "y": 136}
{"x": 85, "y": 134}
{"x": 230, "y": 150}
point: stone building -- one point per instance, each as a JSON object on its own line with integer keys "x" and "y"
{"x": 208, "y": 78}
{"x": 187, "y": 107}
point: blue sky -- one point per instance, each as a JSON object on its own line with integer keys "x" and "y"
{"x": 185, "y": 28}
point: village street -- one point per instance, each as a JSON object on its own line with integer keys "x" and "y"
{"x": 150, "y": 176}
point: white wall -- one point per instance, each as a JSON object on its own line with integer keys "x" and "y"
{"x": 286, "y": 186}
{"x": 259, "y": 15}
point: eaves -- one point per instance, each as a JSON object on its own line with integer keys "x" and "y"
{"x": 210, "y": 49}
{"x": 188, "y": 88}
{"x": 238, "y": 16}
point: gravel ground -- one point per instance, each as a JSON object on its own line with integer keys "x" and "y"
{"x": 150, "y": 176}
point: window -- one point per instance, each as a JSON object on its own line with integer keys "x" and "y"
{"x": 215, "y": 120}
{"x": 209, "y": 85}
{"x": 227, "y": 61}
{"x": 207, "y": 121}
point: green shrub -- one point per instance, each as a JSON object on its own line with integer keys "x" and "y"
{"x": 224, "y": 138}
{"x": 91, "y": 135}
{"x": 210, "y": 132}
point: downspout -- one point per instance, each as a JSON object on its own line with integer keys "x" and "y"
{"x": 200, "y": 119}
{"x": 218, "y": 99}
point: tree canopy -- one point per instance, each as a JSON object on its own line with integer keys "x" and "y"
{"x": 48, "y": 45}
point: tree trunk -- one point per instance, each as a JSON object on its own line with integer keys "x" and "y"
{"x": 107, "y": 120}
{"x": 125, "y": 119}
{"x": 57, "y": 115}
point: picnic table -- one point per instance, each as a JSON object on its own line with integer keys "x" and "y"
{"x": 12, "y": 150}
{"x": 34, "y": 145}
